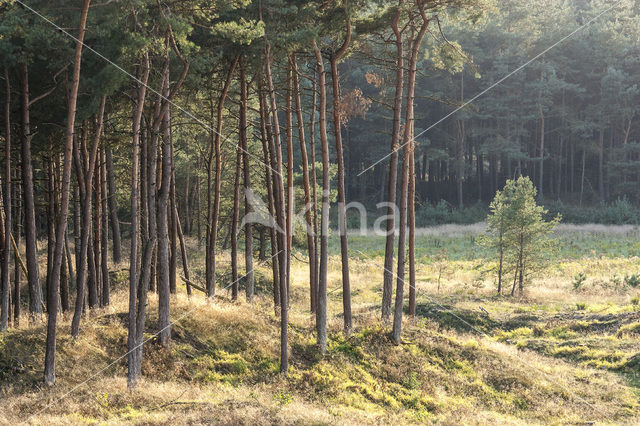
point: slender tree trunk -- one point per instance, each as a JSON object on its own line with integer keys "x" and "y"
{"x": 542, "y": 130}
{"x": 290, "y": 190}
{"x": 267, "y": 146}
{"x": 408, "y": 144}
{"x": 51, "y": 218}
{"x": 248, "y": 228}
{"x": 314, "y": 198}
{"x": 97, "y": 229}
{"x": 183, "y": 250}
{"x": 33, "y": 274}
{"x": 342, "y": 210}
{"x": 173, "y": 218}
{"x": 214, "y": 207}
{"x": 307, "y": 190}
{"x": 234, "y": 224}
{"x": 164, "y": 286}
{"x": 584, "y": 155}
{"x": 387, "y": 286}
{"x": 280, "y": 214}
{"x": 601, "y": 165}
{"x": 49, "y": 364}
{"x": 412, "y": 235}
{"x": 460, "y": 153}
{"x": 65, "y": 284}
{"x": 84, "y": 184}
{"x": 136, "y": 292}
{"x": 6, "y": 254}
{"x": 104, "y": 234}
{"x": 161, "y": 210}
{"x": 321, "y": 311}
{"x": 17, "y": 271}
{"x": 113, "y": 208}
{"x": 187, "y": 198}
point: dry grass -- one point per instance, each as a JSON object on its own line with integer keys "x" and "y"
{"x": 536, "y": 359}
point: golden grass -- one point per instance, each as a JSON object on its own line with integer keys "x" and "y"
{"x": 222, "y": 366}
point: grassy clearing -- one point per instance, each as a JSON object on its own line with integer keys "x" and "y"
{"x": 556, "y": 355}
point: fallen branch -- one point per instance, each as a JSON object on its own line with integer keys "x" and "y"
{"x": 194, "y": 285}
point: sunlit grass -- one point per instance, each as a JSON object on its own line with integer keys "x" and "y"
{"x": 553, "y": 355}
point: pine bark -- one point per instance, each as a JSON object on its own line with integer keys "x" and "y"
{"x": 249, "y": 281}
{"x": 269, "y": 161}
{"x": 408, "y": 144}
{"x": 104, "y": 233}
{"x": 61, "y": 229}
{"x": 33, "y": 274}
{"x": 113, "y": 208}
{"x": 280, "y": 215}
{"x": 162, "y": 208}
{"x": 233, "y": 232}
{"x": 6, "y": 254}
{"x": 412, "y": 234}
{"x": 85, "y": 176}
{"x": 137, "y": 294}
{"x": 213, "y": 213}
{"x": 342, "y": 212}
{"x": 307, "y": 190}
{"x": 387, "y": 285}
{"x": 321, "y": 311}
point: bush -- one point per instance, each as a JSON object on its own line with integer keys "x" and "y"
{"x": 618, "y": 212}
{"x": 578, "y": 280}
{"x": 632, "y": 280}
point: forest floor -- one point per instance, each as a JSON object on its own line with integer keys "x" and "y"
{"x": 557, "y": 354}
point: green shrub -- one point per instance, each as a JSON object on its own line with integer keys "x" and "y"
{"x": 578, "y": 280}
{"x": 618, "y": 212}
{"x": 632, "y": 280}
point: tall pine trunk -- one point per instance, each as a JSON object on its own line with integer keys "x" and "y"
{"x": 33, "y": 274}
{"x": 113, "y": 208}
{"x": 248, "y": 229}
{"x": 104, "y": 233}
{"x": 321, "y": 311}
{"x": 281, "y": 219}
{"x": 408, "y": 144}
{"x": 84, "y": 183}
{"x": 342, "y": 212}
{"x": 234, "y": 223}
{"x": 137, "y": 294}
{"x": 267, "y": 147}
{"x": 213, "y": 206}
{"x": 307, "y": 190}
{"x": 162, "y": 220}
{"x": 6, "y": 255}
{"x": 61, "y": 229}
{"x": 412, "y": 234}
{"x": 387, "y": 285}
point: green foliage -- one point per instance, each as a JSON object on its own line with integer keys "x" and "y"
{"x": 283, "y": 397}
{"x": 578, "y": 280}
{"x": 632, "y": 280}
{"x": 619, "y": 212}
{"x": 518, "y": 231}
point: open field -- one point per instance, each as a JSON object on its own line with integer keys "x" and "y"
{"x": 557, "y": 354}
